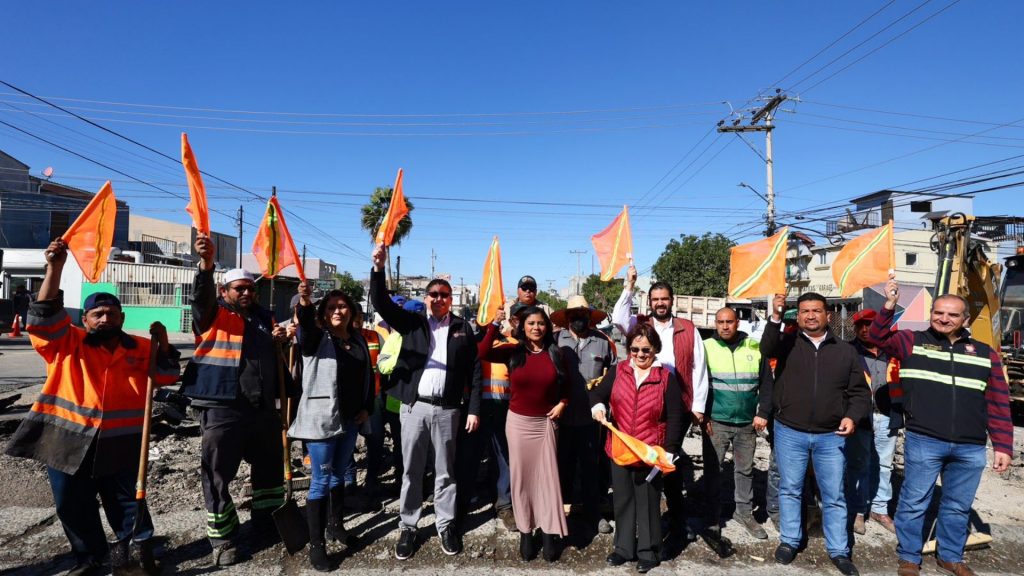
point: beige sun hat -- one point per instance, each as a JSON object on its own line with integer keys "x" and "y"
{"x": 577, "y": 302}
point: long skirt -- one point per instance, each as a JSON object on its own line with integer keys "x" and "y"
{"x": 533, "y": 466}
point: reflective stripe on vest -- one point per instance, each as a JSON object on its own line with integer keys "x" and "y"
{"x": 946, "y": 356}
{"x": 495, "y": 385}
{"x": 735, "y": 376}
{"x": 373, "y": 343}
{"x": 221, "y": 344}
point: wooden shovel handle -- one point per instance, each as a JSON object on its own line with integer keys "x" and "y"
{"x": 147, "y": 420}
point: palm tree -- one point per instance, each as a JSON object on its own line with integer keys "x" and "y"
{"x": 373, "y": 213}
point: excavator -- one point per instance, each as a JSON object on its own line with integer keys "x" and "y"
{"x": 996, "y": 308}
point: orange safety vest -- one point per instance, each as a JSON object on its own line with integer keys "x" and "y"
{"x": 90, "y": 395}
{"x": 212, "y": 374}
{"x": 495, "y": 376}
{"x": 373, "y": 343}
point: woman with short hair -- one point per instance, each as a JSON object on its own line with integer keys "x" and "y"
{"x": 538, "y": 394}
{"x": 643, "y": 399}
{"x": 337, "y": 398}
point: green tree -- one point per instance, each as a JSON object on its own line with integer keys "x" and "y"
{"x": 696, "y": 265}
{"x": 602, "y": 295}
{"x": 350, "y": 286}
{"x": 551, "y": 299}
{"x": 373, "y": 213}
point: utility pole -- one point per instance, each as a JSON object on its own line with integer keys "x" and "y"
{"x": 579, "y": 284}
{"x": 303, "y": 256}
{"x": 398, "y": 274}
{"x": 767, "y": 114}
{"x": 433, "y": 262}
{"x": 240, "y": 213}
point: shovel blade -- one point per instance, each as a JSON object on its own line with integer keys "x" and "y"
{"x": 291, "y": 526}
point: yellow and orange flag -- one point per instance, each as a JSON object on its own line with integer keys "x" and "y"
{"x": 865, "y": 261}
{"x": 397, "y": 210}
{"x": 197, "y": 206}
{"x": 492, "y": 293}
{"x": 274, "y": 248}
{"x": 614, "y": 245}
{"x": 759, "y": 268}
{"x": 92, "y": 234}
{"x": 627, "y": 450}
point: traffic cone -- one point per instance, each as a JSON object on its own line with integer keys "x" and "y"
{"x": 16, "y": 328}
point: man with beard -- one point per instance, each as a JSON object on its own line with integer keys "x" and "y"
{"x": 681, "y": 350}
{"x": 86, "y": 425}
{"x": 232, "y": 380}
{"x": 587, "y": 355}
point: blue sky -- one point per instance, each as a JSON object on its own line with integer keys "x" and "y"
{"x": 582, "y": 105}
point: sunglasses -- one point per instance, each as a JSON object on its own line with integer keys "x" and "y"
{"x": 528, "y": 287}
{"x": 243, "y": 289}
{"x": 439, "y": 295}
{"x": 638, "y": 350}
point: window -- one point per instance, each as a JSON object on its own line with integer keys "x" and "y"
{"x": 921, "y": 206}
{"x": 822, "y": 258}
{"x": 911, "y": 258}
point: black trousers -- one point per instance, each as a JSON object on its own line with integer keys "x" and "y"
{"x": 578, "y": 450}
{"x": 230, "y": 435}
{"x": 637, "y": 512}
{"x": 675, "y": 483}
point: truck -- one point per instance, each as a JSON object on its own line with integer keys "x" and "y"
{"x": 995, "y": 301}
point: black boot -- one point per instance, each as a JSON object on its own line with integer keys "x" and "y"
{"x": 120, "y": 554}
{"x": 336, "y": 518}
{"x": 316, "y": 518}
{"x": 146, "y": 558}
{"x": 527, "y": 551}
{"x": 551, "y": 545}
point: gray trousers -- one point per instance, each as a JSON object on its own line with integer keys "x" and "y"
{"x": 425, "y": 426}
{"x": 743, "y": 440}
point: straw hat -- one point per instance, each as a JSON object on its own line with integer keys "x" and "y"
{"x": 576, "y": 302}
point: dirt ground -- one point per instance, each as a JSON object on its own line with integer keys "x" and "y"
{"x": 32, "y": 542}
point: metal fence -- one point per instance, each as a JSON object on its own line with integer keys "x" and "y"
{"x": 154, "y": 285}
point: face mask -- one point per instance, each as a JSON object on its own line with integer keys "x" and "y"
{"x": 579, "y": 325}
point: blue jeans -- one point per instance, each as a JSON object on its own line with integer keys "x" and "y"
{"x": 961, "y": 466}
{"x": 329, "y": 459}
{"x": 869, "y": 455}
{"x": 828, "y": 453}
{"x": 74, "y": 496}
{"x": 374, "y": 449}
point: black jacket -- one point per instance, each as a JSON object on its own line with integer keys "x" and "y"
{"x": 815, "y": 388}
{"x": 463, "y": 376}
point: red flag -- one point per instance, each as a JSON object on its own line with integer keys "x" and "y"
{"x": 273, "y": 247}
{"x": 492, "y": 295}
{"x": 92, "y": 234}
{"x": 614, "y": 245}
{"x": 197, "y": 206}
{"x": 396, "y": 211}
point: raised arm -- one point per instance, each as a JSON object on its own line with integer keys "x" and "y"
{"x": 401, "y": 320}
{"x": 204, "y": 289}
{"x": 620, "y": 313}
{"x": 899, "y": 344}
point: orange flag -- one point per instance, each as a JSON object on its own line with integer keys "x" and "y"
{"x": 759, "y": 268}
{"x": 614, "y": 245}
{"x": 865, "y": 261}
{"x": 627, "y": 450}
{"x": 492, "y": 295}
{"x": 92, "y": 234}
{"x": 197, "y": 206}
{"x": 273, "y": 247}
{"x": 396, "y": 211}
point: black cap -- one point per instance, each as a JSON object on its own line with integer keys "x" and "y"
{"x": 97, "y": 299}
{"x": 527, "y": 281}
{"x": 516, "y": 308}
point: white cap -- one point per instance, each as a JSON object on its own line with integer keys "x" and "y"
{"x": 237, "y": 274}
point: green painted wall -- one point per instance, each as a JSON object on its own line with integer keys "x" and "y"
{"x": 89, "y": 288}
{"x": 140, "y": 317}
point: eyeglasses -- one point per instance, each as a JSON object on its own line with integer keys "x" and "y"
{"x": 245, "y": 288}
{"x": 638, "y": 350}
{"x": 528, "y": 287}
{"x": 439, "y": 295}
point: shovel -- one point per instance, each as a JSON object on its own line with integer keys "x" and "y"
{"x": 291, "y": 526}
{"x": 122, "y": 563}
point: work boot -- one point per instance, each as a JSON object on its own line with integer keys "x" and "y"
{"x": 336, "y": 518}
{"x": 86, "y": 568}
{"x": 751, "y": 526}
{"x": 907, "y": 568}
{"x": 120, "y": 554}
{"x": 954, "y": 568}
{"x": 858, "y": 524}
{"x": 316, "y": 519}
{"x": 224, "y": 554}
{"x": 885, "y": 520}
